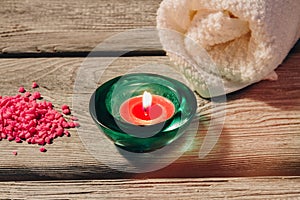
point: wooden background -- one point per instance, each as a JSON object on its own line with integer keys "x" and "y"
{"x": 257, "y": 155}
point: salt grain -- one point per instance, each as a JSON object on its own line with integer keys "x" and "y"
{"x": 64, "y": 106}
{"x": 34, "y": 85}
{"x": 22, "y": 90}
{"x": 43, "y": 149}
{"x": 27, "y": 94}
{"x": 36, "y": 95}
{"x": 74, "y": 118}
{"x": 66, "y": 111}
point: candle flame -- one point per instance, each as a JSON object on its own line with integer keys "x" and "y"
{"x": 147, "y": 100}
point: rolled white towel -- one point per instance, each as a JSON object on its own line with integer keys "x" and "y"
{"x": 228, "y": 42}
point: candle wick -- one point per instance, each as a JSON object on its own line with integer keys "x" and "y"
{"x": 146, "y": 110}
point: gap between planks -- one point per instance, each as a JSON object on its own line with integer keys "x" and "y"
{"x": 139, "y": 53}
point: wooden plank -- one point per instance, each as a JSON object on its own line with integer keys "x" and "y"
{"x": 216, "y": 188}
{"x": 69, "y": 26}
{"x": 260, "y": 135}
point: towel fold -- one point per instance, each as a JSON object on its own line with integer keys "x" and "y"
{"x": 232, "y": 42}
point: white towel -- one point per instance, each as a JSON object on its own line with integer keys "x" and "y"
{"x": 235, "y": 42}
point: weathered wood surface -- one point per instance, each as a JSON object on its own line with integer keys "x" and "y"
{"x": 69, "y": 26}
{"x": 261, "y": 135}
{"x": 216, "y": 188}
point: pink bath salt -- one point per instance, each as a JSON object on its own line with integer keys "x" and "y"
{"x": 27, "y": 94}
{"x": 76, "y": 124}
{"x": 53, "y": 130}
{"x": 43, "y": 149}
{"x": 48, "y": 140}
{"x": 31, "y": 123}
{"x": 22, "y": 89}
{"x": 32, "y": 130}
{"x": 10, "y": 138}
{"x": 65, "y": 124}
{"x": 25, "y": 118}
{"x": 36, "y": 95}
{"x": 4, "y": 102}
{"x": 26, "y": 99}
{"x": 73, "y": 118}
{"x": 50, "y": 116}
{"x": 9, "y": 128}
{"x": 27, "y": 135}
{"x": 59, "y": 132}
{"x": 28, "y": 140}
{"x": 15, "y": 153}
{"x": 40, "y": 141}
{"x": 31, "y": 98}
{"x": 71, "y": 124}
{"x": 42, "y": 134}
{"x": 18, "y": 140}
{"x": 57, "y": 115}
{"x": 3, "y": 136}
{"x": 21, "y": 135}
{"x": 64, "y": 106}
{"x": 67, "y": 133}
{"x": 46, "y": 126}
{"x": 34, "y": 85}
{"x": 49, "y": 105}
{"x": 66, "y": 111}
{"x": 33, "y": 140}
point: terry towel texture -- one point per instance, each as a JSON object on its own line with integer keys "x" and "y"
{"x": 237, "y": 42}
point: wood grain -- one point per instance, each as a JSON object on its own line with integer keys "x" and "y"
{"x": 69, "y": 26}
{"x": 216, "y": 188}
{"x": 260, "y": 135}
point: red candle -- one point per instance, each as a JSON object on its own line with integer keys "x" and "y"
{"x": 147, "y": 109}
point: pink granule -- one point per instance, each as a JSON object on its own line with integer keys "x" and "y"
{"x": 34, "y": 85}
{"x": 43, "y": 149}
{"x": 66, "y": 111}
{"x": 22, "y": 89}
{"x": 74, "y": 118}
{"x": 25, "y": 118}
{"x": 36, "y": 95}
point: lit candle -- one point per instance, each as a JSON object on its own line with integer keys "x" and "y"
{"x": 147, "y": 109}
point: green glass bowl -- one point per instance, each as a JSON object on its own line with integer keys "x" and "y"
{"x": 107, "y": 99}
